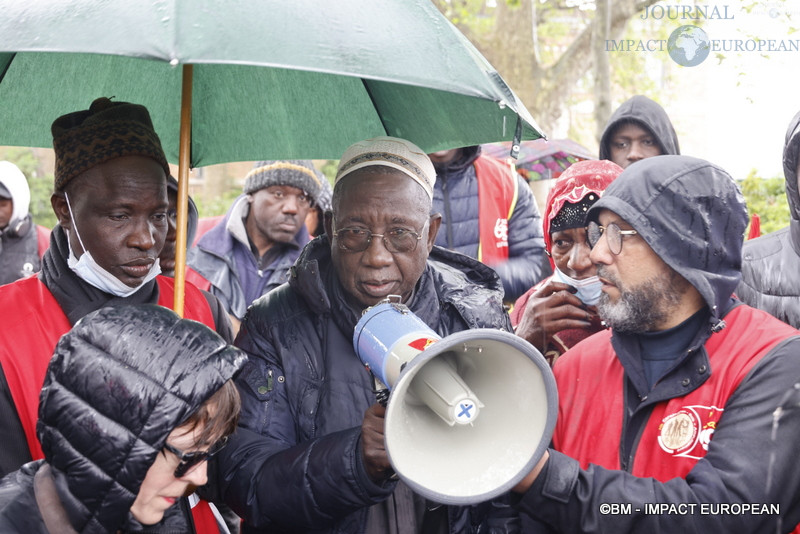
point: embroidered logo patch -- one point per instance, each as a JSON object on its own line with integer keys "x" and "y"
{"x": 688, "y": 431}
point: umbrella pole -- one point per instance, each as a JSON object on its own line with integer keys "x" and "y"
{"x": 184, "y": 161}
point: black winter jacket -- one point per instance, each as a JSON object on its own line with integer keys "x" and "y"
{"x": 771, "y": 263}
{"x": 107, "y": 407}
{"x": 306, "y": 391}
{"x": 455, "y": 197}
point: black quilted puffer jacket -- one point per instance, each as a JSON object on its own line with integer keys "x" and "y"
{"x": 119, "y": 382}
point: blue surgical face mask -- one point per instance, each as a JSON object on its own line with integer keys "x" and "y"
{"x": 90, "y": 271}
{"x": 589, "y": 289}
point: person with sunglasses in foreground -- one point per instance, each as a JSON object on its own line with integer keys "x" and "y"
{"x": 683, "y": 416}
{"x": 134, "y": 403}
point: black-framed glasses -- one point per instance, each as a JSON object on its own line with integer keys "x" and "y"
{"x": 399, "y": 240}
{"x": 190, "y": 460}
{"x": 613, "y": 235}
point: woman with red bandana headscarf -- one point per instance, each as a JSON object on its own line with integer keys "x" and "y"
{"x": 559, "y": 311}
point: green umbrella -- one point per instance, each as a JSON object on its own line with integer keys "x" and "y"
{"x": 242, "y": 80}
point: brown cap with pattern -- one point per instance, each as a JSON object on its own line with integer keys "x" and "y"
{"x": 105, "y": 131}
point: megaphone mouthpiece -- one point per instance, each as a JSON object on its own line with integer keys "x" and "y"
{"x": 439, "y": 386}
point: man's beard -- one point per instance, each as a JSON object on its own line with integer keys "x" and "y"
{"x": 642, "y": 308}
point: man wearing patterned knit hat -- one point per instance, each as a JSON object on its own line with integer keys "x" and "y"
{"x": 111, "y": 202}
{"x": 250, "y": 250}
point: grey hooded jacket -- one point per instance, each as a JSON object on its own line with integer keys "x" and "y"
{"x": 771, "y": 263}
{"x": 693, "y": 217}
{"x": 647, "y": 113}
{"x": 20, "y": 256}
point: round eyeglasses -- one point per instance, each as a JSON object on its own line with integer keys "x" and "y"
{"x": 190, "y": 460}
{"x": 613, "y": 235}
{"x": 396, "y": 240}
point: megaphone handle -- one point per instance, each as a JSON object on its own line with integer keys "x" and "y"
{"x": 381, "y": 392}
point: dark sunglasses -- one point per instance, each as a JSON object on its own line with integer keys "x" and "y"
{"x": 190, "y": 460}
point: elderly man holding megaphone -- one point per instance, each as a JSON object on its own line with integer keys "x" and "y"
{"x": 315, "y": 451}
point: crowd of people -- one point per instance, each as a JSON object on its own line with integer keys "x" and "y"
{"x": 671, "y": 340}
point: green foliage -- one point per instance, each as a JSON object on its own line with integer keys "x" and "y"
{"x": 329, "y": 169}
{"x": 217, "y": 205}
{"x": 41, "y": 186}
{"x": 767, "y": 198}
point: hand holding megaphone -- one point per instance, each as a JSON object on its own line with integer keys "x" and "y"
{"x": 468, "y": 416}
{"x": 373, "y": 445}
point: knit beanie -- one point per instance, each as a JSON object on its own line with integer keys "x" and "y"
{"x": 292, "y": 172}
{"x": 325, "y": 194}
{"x": 105, "y": 131}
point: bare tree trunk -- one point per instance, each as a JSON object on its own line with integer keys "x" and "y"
{"x": 601, "y": 27}
{"x": 510, "y": 48}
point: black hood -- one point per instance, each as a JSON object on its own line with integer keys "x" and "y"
{"x": 791, "y": 153}
{"x": 691, "y": 213}
{"x": 464, "y": 159}
{"x": 119, "y": 382}
{"x": 648, "y": 114}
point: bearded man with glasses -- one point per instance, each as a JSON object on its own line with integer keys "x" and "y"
{"x": 309, "y": 454}
{"x": 668, "y": 420}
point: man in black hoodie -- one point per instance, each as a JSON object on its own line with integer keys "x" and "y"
{"x": 638, "y": 129}
{"x": 771, "y": 264}
{"x": 680, "y": 412}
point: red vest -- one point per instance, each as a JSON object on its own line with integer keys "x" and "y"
{"x": 33, "y": 323}
{"x": 197, "y": 279}
{"x": 497, "y": 198}
{"x": 591, "y": 407}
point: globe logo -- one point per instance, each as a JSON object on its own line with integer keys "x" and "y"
{"x": 688, "y": 46}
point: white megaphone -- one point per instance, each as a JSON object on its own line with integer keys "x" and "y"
{"x": 468, "y": 415}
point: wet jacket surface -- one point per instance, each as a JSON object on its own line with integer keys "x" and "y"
{"x": 647, "y": 113}
{"x": 223, "y": 259}
{"x": 107, "y": 408}
{"x": 35, "y": 312}
{"x": 771, "y": 263}
{"x": 306, "y": 391}
{"x": 455, "y": 196}
{"x": 748, "y": 458}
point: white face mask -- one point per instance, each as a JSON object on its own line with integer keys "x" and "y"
{"x": 90, "y": 272}
{"x": 589, "y": 289}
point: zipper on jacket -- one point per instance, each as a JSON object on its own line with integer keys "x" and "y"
{"x": 447, "y": 219}
{"x": 627, "y": 457}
